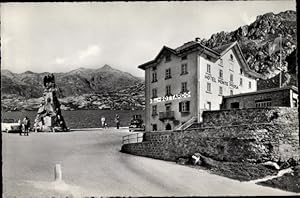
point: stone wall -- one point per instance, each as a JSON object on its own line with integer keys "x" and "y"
{"x": 272, "y": 135}
{"x": 279, "y": 115}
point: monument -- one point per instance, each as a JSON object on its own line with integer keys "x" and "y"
{"x": 49, "y": 116}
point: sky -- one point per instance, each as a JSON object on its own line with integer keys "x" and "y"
{"x": 63, "y": 36}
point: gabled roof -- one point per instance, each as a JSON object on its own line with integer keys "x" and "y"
{"x": 218, "y": 52}
{"x": 224, "y": 48}
{"x": 155, "y": 60}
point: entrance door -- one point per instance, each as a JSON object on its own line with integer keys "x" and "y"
{"x": 168, "y": 127}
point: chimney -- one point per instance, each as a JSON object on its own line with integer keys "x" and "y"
{"x": 197, "y": 39}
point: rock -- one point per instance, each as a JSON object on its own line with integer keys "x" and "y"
{"x": 182, "y": 161}
{"x": 208, "y": 162}
{"x": 297, "y": 170}
{"x": 196, "y": 159}
{"x": 274, "y": 165}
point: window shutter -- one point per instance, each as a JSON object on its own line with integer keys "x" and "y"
{"x": 188, "y": 106}
{"x": 180, "y": 107}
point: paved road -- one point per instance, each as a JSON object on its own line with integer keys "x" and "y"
{"x": 93, "y": 166}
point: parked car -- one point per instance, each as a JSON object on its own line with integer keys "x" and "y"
{"x": 10, "y": 125}
{"x": 136, "y": 123}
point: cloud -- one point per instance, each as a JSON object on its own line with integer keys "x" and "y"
{"x": 91, "y": 51}
{"x": 60, "y": 60}
{"x": 84, "y": 57}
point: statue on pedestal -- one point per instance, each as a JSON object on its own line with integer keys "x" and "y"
{"x": 49, "y": 116}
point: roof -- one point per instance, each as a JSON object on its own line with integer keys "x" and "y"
{"x": 223, "y": 48}
{"x": 217, "y": 52}
{"x": 263, "y": 91}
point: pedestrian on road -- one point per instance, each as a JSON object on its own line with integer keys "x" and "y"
{"x": 20, "y": 126}
{"x": 117, "y": 120}
{"x": 26, "y": 123}
{"x": 103, "y": 122}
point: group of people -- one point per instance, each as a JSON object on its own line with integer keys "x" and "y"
{"x": 105, "y": 125}
{"x": 24, "y": 126}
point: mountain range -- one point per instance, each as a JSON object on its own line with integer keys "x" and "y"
{"x": 93, "y": 88}
{"x": 81, "y": 88}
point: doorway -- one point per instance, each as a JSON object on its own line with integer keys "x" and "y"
{"x": 168, "y": 127}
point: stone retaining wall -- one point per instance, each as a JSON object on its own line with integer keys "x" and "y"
{"x": 280, "y": 115}
{"x": 274, "y": 135}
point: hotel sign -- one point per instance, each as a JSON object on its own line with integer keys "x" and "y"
{"x": 169, "y": 98}
{"x": 220, "y": 81}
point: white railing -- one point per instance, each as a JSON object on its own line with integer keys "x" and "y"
{"x": 132, "y": 138}
{"x": 186, "y": 124}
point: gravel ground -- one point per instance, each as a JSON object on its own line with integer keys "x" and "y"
{"x": 92, "y": 165}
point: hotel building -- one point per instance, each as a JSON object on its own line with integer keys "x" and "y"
{"x": 181, "y": 83}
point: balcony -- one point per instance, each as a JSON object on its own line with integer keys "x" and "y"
{"x": 166, "y": 115}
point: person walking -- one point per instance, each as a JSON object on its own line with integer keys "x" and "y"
{"x": 117, "y": 120}
{"x": 103, "y": 122}
{"x": 20, "y": 126}
{"x": 26, "y": 123}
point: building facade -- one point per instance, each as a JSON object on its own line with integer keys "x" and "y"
{"x": 276, "y": 97}
{"x": 181, "y": 83}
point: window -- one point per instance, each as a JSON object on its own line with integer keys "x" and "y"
{"x": 154, "y": 77}
{"x": 231, "y": 92}
{"x": 154, "y": 93}
{"x": 168, "y": 73}
{"x": 184, "y": 69}
{"x": 241, "y": 82}
{"x": 184, "y": 106}
{"x": 168, "y": 58}
{"x": 154, "y": 68}
{"x": 208, "y": 68}
{"x": 221, "y": 91}
{"x": 263, "y": 103}
{"x": 241, "y": 71}
{"x": 184, "y": 57}
{"x": 168, "y": 90}
{"x": 154, "y": 127}
{"x": 184, "y": 87}
{"x": 235, "y": 105}
{"x": 231, "y": 77}
{"x": 208, "y": 87}
{"x": 154, "y": 110}
{"x": 208, "y": 105}
{"x": 221, "y": 62}
{"x": 231, "y": 57}
{"x": 221, "y": 73}
{"x": 250, "y": 85}
{"x": 168, "y": 107}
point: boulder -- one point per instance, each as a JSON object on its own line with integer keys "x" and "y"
{"x": 297, "y": 170}
{"x": 273, "y": 165}
{"x": 208, "y": 162}
{"x": 182, "y": 160}
{"x": 196, "y": 159}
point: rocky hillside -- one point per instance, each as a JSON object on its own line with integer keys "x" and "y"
{"x": 254, "y": 40}
{"x": 82, "y": 88}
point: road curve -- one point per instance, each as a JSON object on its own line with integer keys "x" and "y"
{"x": 92, "y": 165}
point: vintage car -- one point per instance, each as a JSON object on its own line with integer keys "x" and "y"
{"x": 136, "y": 123}
{"x": 10, "y": 125}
